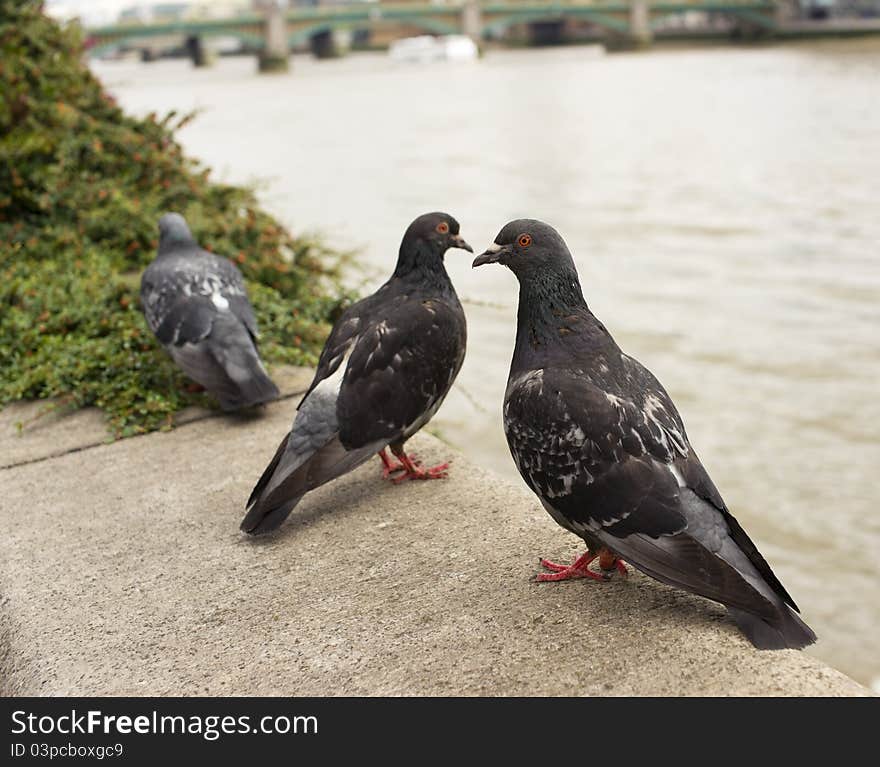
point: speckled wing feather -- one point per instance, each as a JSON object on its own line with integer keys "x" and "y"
{"x": 182, "y": 294}
{"x": 600, "y": 461}
{"x": 401, "y": 369}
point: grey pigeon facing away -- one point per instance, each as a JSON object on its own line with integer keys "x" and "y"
{"x": 598, "y": 439}
{"x": 386, "y": 367}
{"x": 196, "y": 304}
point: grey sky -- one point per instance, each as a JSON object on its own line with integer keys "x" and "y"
{"x": 90, "y": 11}
{"x": 103, "y": 11}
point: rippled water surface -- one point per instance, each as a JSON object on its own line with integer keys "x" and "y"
{"x": 723, "y": 206}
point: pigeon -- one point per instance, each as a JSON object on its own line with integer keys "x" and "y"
{"x": 196, "y": 304}
{"x": 385, "y": 369}
{"x": 599, "y": 441}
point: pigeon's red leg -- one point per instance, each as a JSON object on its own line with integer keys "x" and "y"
{"x": 609, "y": 561}
{"x": 194, "y": 388}
{"x": 415, "y": 470}
{"x": 388, "y": 467}
{"x": 580, "y": 568}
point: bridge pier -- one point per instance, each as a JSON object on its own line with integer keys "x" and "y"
{"x": 198, "y": 53}
{"x": 641, "y": 35}
{"x": 275, "y": 54}
{"x": 329, "y": 44}
{"x": 472, "y": 22}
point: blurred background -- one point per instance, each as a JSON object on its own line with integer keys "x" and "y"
{"x": 714, "y": 174}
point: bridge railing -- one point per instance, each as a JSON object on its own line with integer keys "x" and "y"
{"x": 453, "y": 16}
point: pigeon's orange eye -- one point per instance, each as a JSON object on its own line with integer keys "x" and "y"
{"x": 442, "y": 227}
{"x": 525, "y": 240}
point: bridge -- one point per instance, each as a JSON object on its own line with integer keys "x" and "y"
{"x": 275, "y": 31}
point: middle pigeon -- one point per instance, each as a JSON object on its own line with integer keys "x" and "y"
{"x": 388, "y": 364}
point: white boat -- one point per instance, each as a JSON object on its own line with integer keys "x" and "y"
{"x": 428, "y": 48}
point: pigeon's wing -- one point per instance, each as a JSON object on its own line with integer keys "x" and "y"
{"x": 400, "y": 370}
{"x": 700, "y": 559}
{"x": 231, "y": 287}
{"x": 606, "y": 469}
{"x": 706, "y": 559}
{"x": 709, "y": 520}
{"x": 597, "y": 460}
{"x": 341, "y": 338}
{"x": 227, "y": 364}
{"x": 181, "y": 297}
{"x": 199, "y": 311}
{"x": 697, "y": 481}
{"x": 159, "y": 290}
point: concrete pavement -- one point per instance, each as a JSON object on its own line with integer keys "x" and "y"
{"x": 122, "y": 572}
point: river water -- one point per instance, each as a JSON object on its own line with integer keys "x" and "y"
{"x": 722, "y": 207}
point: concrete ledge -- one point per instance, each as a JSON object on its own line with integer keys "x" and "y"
{"x": 32, "y": 431}
{"x": 122, "y": 572}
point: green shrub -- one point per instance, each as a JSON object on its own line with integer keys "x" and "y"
{"x": 82, "y": 186}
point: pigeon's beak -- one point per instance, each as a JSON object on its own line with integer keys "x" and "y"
{"x": 492, "y": 255}
{"x": 457, "y": 241}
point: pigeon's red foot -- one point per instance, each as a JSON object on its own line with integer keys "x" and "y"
{"x": 580, "y": 568}
{"x": 417, "y": 471}
{"x": 608, "y": 561}
{"x": 389, "y": 467}
{"x": 413, "y": 469}
{"x": 194, "y": 388}
{"x": 389, "y": 471}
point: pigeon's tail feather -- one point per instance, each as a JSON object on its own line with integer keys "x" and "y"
{"x": 788, "y": 631}
{"x": 259, "y": 520}
{"x": 233, "y": 348}
{"x": 268, "y": 472}
{"x": 290, "y": 476}
{"x": 683, "y": 562}
{"x": 227, "y": 365}
{"x": 255, "y": 390}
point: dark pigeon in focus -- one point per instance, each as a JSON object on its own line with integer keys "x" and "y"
{"x": 597, "y": 438}
{"x": 388, "y": 364}
{"x": 196, "y": 304}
